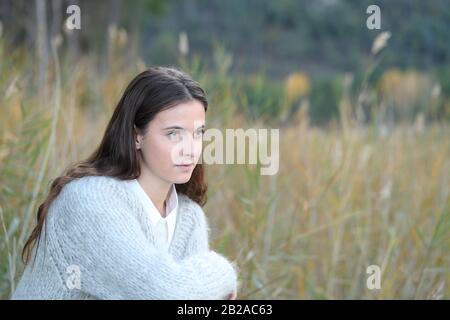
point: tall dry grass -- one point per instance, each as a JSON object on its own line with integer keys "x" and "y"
{"x": 343, "y": 199}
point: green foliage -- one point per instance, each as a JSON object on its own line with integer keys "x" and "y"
{"x": 443, "y": 75}
{"x": 165, "y": 49}
{"x": 260, "y": 97}
{"x": 326, "y": 93}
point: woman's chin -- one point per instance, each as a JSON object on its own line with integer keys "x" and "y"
{"x": 183, "y": 174}
{"x": 181, "y": 178}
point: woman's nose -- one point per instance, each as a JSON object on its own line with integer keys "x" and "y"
{"x": 188, "y": 147}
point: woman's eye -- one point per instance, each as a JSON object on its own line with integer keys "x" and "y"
{"x": 199, "y": 134}
{"x": 174, "y": 135}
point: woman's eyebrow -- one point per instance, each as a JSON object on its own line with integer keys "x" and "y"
{"x": 173, "y": 127}
{"x": 181, "y": 128}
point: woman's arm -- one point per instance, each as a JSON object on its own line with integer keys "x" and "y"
{"x": 98, "y": 234}
{"x": 200, "y": 237}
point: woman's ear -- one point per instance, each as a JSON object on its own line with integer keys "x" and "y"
{"x": 137, "y": 137}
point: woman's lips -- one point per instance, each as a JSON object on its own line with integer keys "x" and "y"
{"x": 185, "y": 166}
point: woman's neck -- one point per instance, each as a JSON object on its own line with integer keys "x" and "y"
{"x": 156, "y": 189}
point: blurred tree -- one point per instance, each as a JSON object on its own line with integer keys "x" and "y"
{"x": 325, "y": 95}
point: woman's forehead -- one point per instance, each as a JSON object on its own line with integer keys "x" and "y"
{"x": 186, "y": 114}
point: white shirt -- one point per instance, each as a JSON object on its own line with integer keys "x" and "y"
{"x": 155, "y": 216}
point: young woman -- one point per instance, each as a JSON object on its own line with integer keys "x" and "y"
{"x": 127, "y": 223}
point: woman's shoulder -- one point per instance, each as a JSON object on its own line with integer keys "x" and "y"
{"x": 188, "y": 205}
{"x": 187, "y": 202}
{"x": 95, "y": 198}
{"x": 92, "y": 189}
{"x": 87, "y": 184}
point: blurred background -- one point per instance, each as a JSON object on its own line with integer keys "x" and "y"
{"x": 364, "y": 116}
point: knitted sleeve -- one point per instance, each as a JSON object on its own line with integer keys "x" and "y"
{"x": 199, "y": 239}
{"x": 97, "y": 233}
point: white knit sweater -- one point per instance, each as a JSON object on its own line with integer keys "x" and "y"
{"x": 99, "y": 244}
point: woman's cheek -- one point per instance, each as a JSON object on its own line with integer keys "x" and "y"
{"x": 198, "y": 150}
{"x": 172, "y": 153}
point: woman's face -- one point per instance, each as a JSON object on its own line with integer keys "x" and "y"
{"x": 172, "y": 145}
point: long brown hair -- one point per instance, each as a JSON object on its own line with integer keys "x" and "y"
{"x": 148, "y": 93}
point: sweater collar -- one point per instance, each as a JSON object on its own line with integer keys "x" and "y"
{"x": 171, "y": 205}
{"x": 153, "y": 212}
{"x": 183, "y": 216}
